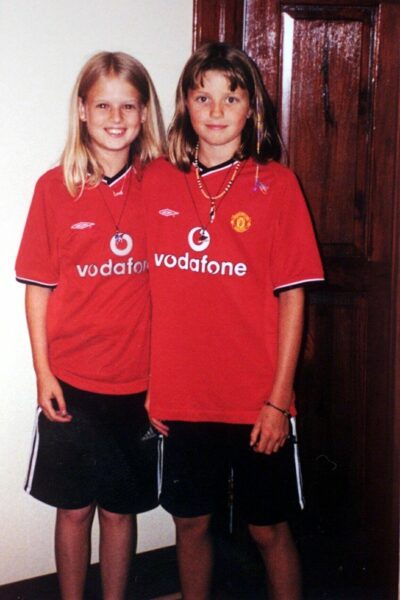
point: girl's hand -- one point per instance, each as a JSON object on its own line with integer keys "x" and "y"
{"x": 272, "y": 427}
{"x": 158, "y": 425}
{"x": 51, "y": 399}
{"x": 270, "y": 431}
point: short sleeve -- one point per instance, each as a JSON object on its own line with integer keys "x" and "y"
{"x": 37, "y": 256}
{"x": 295, "y": 258}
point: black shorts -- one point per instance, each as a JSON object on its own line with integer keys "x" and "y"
{"x": 107, "y": 454}
{"x": 198, "y": 458}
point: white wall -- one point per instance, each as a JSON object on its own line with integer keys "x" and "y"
{"x": 43, "y": 44}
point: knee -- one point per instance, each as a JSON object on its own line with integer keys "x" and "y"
{"x": 76, "y": 516}
{"x": 269, "y": 536}
{"x": 193, "y": 527}
{"x": 114, "y": 519}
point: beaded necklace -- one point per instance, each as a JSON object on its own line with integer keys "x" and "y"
{"x": 203, "y": 188}
{"x": 203, "y": 235}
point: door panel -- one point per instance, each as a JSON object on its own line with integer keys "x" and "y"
{"x": 326, "y": 90}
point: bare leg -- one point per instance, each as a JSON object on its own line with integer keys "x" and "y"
{"x": 117, "y": 540}
{"x": 281, "y": 560}
{"x": 195, "y": 556}
{"x": 72, "y": 545}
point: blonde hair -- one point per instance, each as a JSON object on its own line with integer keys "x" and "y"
{"x": 260, "y": 137}
{"x": 79, "y": 163}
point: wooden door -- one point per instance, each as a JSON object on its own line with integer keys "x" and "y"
{"x": 332, "y": 70}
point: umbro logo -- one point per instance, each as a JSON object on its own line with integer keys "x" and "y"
{"x": 83, "y": 225}
{"x": 168, "y": 212}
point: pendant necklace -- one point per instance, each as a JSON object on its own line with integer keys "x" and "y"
{"x": 119, "y": 235}
{"x": 203, "y": 233}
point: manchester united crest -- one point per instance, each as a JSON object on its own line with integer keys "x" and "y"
{"x": 241, "y": 222}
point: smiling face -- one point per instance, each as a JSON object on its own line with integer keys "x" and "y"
{"x": 113, "y": 114}
{"x": 218, "y": 116}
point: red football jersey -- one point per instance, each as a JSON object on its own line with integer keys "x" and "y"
{"x": 98, "y": 318}
{"x": 215, "y": 292}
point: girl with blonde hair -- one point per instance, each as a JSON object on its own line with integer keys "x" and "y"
{"x": 83, "y": 260}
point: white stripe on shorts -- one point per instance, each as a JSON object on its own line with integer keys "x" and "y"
{"x": 160, "y": 463}
{"x": 34, "y": 452}
{"x": 299, "y": 478}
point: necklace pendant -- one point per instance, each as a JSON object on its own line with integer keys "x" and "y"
{"x": 118, "y": 238}
{"x": 203, "y": 235}
{"x": 212, "y": 212}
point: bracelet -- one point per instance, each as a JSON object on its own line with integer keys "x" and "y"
{"x": 281, "y": 410}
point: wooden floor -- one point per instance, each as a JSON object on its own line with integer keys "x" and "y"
{"x": 239, "y": 576}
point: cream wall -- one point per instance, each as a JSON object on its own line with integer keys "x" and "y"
{"x": 42, "y": 46}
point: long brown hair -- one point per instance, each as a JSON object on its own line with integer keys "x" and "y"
{"x": 260, "y": 137}
{"x": 79, "y": 162}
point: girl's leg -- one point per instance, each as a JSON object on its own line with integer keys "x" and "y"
{"x": 72, "y": 546}
{"x": 195, "y": 556}
{"x": 281, "y": 560}
{"x": 117, "y": 542}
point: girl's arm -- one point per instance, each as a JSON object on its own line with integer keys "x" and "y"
{"x": 49, "y": 393}
{"x": 272, "y": 427}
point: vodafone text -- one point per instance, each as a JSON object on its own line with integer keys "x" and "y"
{"x": 200, "y": 265}
{"x": 129, "y": 267}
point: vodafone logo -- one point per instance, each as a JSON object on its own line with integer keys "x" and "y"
{"x": 199, "y": 239}
{"x": 121, "y": 244}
